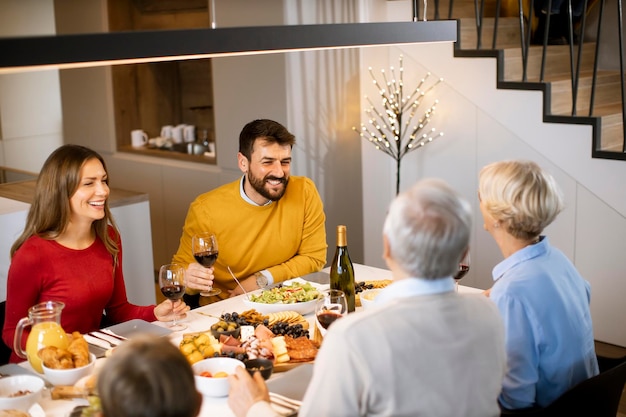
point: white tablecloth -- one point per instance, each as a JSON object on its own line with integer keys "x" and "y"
{"x": 197, "y": 321}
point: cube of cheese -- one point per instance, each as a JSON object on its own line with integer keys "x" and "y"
{"x": 279, "y": 347}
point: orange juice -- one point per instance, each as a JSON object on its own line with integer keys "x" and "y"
{"x": 48, "y": 333}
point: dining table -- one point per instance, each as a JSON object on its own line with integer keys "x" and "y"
{"x": 294, "y": 380}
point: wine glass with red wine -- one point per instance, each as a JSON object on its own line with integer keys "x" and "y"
{"x": 172, "y": 284}
{"x": 330, "y": 307}
{"x": 464, "y": 267}
{"x": 204, "y": 248}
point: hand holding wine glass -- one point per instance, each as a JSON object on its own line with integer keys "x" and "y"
{"x": 205, "y": 250}
{"x": 330, "y": 307}
{"x": 172, "y": 284}
{"x": 464, "y": 267}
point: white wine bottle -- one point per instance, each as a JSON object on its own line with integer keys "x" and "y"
{"x": 341, "y": 270}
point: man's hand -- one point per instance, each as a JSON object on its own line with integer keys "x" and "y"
{"x": 248, "y": 283}
{"x": 198, "y": 277}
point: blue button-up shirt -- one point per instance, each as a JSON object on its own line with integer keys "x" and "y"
{"x": 544, "y": 303}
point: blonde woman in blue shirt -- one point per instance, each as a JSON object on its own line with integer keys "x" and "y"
{"x": 542, "y": 298}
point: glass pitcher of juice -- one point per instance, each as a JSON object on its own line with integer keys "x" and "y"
{"x": 45, "y": 321}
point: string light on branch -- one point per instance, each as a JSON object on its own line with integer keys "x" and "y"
{"x": 400, "y": 126}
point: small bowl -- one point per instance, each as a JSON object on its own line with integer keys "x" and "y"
{"x": 265, "y": 366}
{"x": 367, "y": 297}
{"x": 214, "y": 387}
{"x": 10, "y": 385}
{"x": 69, "y": 376}
{"x": 234, "y": 333}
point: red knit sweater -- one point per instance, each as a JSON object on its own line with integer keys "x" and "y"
{"x": 85, "y": 280}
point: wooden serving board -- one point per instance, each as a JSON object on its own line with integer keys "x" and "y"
{"x": 286, "y": 366}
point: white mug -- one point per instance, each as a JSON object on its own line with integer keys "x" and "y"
{"x": 189, "y": 133}
{"x": 166, "y": 131}
{"x": 177, "y": 133}
{"x": 138, "y": 138}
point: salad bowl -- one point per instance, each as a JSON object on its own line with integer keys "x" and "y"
{"x": 295, "y": 296}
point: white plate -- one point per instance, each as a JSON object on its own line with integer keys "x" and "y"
{"x": 36, "y": 411}
{"x": 134, "y": 327}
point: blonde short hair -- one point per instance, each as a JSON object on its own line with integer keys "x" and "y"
{"x": 521, "y": 196}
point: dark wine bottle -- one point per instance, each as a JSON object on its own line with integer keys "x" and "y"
{"x": 341, "y": 270}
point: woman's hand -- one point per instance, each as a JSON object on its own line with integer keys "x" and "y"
{"x": 169, "y": 308}
{"x": 245, "y": 391}
{"x": 198, "y": 277}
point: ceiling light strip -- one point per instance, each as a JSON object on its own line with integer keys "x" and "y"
{"x": 95, "y": 49}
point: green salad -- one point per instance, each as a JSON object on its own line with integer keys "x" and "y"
{"x": 287, "y": 294}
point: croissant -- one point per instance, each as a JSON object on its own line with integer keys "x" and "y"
{"x": 79, "y": 349}
{"x": 56, "y": 358}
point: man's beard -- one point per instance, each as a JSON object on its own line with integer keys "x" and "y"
{"x": 260, "y": 184}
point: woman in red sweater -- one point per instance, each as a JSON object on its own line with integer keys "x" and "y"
{"x": 71, "y": 251}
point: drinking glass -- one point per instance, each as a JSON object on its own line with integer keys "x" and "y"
{"x": 204, "y": 248}
{"x": 172, "y": 284}
{"x": 464, "y": 267}
{"x": 330, "y": 307}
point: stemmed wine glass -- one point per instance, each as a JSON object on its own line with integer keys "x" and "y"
{"x": 204, "y": 248}
{"x": 172, "y": 284}
{"x": 464, "y": 267}
{"x": 331, "y": 306}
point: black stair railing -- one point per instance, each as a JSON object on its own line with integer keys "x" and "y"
{"x": 575, "y": 54}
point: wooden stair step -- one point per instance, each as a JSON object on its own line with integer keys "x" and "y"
{"x": 612, "y": 138}
{"x": 608, "y": 92}
{"x": 508, "y": 33}
{"x": 459, "y": 9}
{"x": 607, "y": 98}
{"x": 557, "y": 61}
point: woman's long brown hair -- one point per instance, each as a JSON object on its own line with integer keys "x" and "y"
{"x": 50, "y": 212}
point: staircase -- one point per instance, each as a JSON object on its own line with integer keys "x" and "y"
{"x": 559, "y": 71}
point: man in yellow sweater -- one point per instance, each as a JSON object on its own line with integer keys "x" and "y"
{"x": 269, "y": 225}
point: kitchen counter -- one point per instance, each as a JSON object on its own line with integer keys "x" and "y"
{"x": 131, "y": 211}
{"x": 25, "y": 190}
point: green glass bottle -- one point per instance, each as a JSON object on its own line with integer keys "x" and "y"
{"x": 341, "y": 270}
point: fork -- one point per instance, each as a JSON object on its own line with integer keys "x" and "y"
{"x": 238, "y": 283}
{"x": 281, "y": 402}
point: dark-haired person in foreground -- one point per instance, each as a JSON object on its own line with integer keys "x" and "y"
{"x": 148, "y": 377}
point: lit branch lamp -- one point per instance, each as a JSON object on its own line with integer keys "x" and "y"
{"x": 388, "y": 129}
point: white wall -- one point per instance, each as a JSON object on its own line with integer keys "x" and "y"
{"x": 31, "y": 123}
{"x": 483, "y": 124}
{"x": 12, "y": 219}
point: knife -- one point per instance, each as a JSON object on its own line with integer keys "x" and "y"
{"x": 112, "y": 333}
{"x": 112, "y": 340}
{"x": 97, "y": 342}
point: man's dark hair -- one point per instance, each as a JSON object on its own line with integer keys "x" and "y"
{"x": 268, "y": 130}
